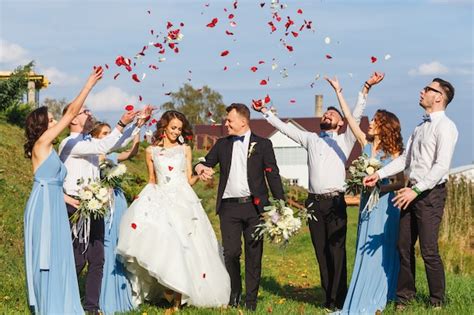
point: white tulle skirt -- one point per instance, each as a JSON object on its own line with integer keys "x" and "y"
{"x": 167, "y": 241}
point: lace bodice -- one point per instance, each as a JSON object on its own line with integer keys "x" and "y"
{"x": 170, "y": 165}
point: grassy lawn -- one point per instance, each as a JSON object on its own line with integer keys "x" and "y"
{"x": 290, "y": 280}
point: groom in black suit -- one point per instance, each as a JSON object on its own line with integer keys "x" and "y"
{"x": 245, "y": 160}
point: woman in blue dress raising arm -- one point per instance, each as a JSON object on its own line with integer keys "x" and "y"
{"x": 376, "y": 266}
{"x": 49, "y": 262}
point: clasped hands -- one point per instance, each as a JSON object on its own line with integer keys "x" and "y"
{"x": 204, "y": 172}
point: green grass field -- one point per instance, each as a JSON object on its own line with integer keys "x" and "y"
{"x": 290, "y": 280}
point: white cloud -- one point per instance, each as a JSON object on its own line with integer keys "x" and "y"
{"x": 432, "y": 68}
{"x": 111, "y": 98}
{"x": 58, "y": 78}
{"x": 12, "y": 54}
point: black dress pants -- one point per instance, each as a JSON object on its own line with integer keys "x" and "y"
{"x": 94, "y": 257}
{"x": 328, "y": 235}
{"x": 421, "y": 220}
{"x": 237, "y": 219}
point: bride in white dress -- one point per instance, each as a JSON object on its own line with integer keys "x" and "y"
{"x": 166, "y": 239}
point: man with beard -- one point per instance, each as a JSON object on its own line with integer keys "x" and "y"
{"x": 327, "y": 155}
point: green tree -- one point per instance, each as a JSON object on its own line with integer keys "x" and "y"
{"x": 200, "y": 106}
{"x": 13, "y": 89}
{"x": 55, "y": 106}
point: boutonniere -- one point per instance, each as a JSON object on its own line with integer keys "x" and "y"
{"x": 251, "y": 149}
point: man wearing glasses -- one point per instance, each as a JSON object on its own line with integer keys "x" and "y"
{"x": 80, "y": 155}
{"x": 427, "y": 159}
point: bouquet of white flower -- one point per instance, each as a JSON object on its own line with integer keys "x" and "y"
{"x": 280, "y": 222}
{"x": 94, "y": 201}
{"x": 111, "y": 174}
{"x": 360, "y": 168}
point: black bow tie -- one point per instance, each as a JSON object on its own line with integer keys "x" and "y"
{"x": 426, "y": 118}
{"x": 237, "y": 138}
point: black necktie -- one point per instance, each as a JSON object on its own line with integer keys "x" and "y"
{"x": 237, "y": 138}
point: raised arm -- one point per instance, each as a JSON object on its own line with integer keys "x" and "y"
{"x": 130, "y": 153}
{"x": 48, "y": 137}
{"x": 192, "y": 179}
{"x": 149, "y": 165}
{"x": 289, "y": 130}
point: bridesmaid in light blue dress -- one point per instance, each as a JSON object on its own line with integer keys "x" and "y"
{"x": 49, "y": 263}
{"x": 376, "y": 266}
{"x": 116, "y": 292}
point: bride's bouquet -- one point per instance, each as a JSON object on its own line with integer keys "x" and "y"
{"x": 280, "y": 222}
{"x": 359, "y": 169}
{"x": 111, "y": 174}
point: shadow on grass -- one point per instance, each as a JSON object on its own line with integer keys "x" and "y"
{"x": 310, "y": 295}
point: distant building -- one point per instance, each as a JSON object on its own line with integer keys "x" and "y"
{"x": 466, "y": 171}
{"x": 291, "y": 157}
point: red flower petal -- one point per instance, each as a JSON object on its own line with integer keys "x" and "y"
{"x": 229, "y": 33}
{"x": 106, "y": 66}
{"x": 209, "y": 114}
{"x": 256, "y": 201}
{"x": 261, "y": 62}
{"x": 231, "y": 16}
{"x": 225, "y": 68}
{"x": 257, "y": 103}
{"x": 224, "y": 53}
{"x": 204, "y": 276}
{"x": 213, "y": 22}
{"x": 140, "y": 98}
{"x": 176, "y": 50}
{"x": 289, "y": 23}
{"x": 295, "y": 34}
{"x": 170, "y": 168}
{"x": 129, "y": 108}
{"x": 181, "y": 24}
{"x": 149, "y": 12}
{"x": 267, "y": 99}
{"x": 169, "y": 25}
{"x": 290, "y": 48}
{"x": 115, "y": 76}
{"x": 171, "y": 45}
{"x": 254, "y": 69}
{"x": 189, "y": 137}
{"x": 152, "y": 32}
{"x": 272, "y": 26}
{"x": 328, "y": 57}
{"x": 292, "y": 101}
{"x": 299, "y": 11}
{"x": 135, "y": 77}
{"x": 262, "y": 4}
{"x": 373, "y": 59}
{"x": 134, "y": 226}
{"x": 268, "y": 169}
{"x": 235, "y": 4}
{"x": 263, "y": 82}
{"x": 158, "y": 45}
{"x": 154, "y": 121}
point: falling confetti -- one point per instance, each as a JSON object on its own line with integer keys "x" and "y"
{"x": 328, "y": 57}
{"x": 224, "y": 53}
{"x": 373, "y": 59}
{"x": 387, "y": 57}
{"x": 327, "y": 40}
{"x": 135, "y": 77}
{"x": 253, "y": 69}
{"x": 129, "y": 108}
{"x": 263, "y": 82}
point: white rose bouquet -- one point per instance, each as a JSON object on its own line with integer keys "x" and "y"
{"x": 111, "y": 174}
{"x": 360, "y": 168}
{"x": 94, "y": 201}
{"x": 280, "y": 222}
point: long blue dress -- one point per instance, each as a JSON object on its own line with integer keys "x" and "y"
{"x": 49, "y": 261}
{"x": 376, "y": 267}
{"x": 116, "y": 292}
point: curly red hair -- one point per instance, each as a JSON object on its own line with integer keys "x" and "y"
{"x": 389, "y": 130}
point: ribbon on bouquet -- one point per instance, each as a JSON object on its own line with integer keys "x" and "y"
{"x": 373, "y": 200}
{"x": 81, "y": 230}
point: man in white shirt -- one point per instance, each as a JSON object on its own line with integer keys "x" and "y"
{"x": 427, "y": 160}
{"x": 80, "y": 155}
{"x": 327, "y": 156}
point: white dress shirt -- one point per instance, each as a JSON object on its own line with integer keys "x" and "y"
{"x": 237, "y": 182}
{"x": 327, "y": 155}
{"x": 428, "y": 154}
{"x": 80, "y": 154}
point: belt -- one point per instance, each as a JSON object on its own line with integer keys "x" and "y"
{"x": 246, "y": 199}
{"x": 329, "y": 195}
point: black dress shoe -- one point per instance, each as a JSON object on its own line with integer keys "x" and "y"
{"x": 234, "y": 299}
{"x": 251, "y": 307}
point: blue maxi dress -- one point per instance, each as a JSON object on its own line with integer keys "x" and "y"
{"x": 49, "y": 261}
{"x": 116, "y": 292}
{"x": 376, "y": 266}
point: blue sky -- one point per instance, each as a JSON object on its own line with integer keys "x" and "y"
{"x": 425, "y": 39}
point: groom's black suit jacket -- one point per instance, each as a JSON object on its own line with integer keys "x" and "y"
{"x": 261, "y": 164}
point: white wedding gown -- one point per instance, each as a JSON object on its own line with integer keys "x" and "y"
{"x": 166, "y": 239}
